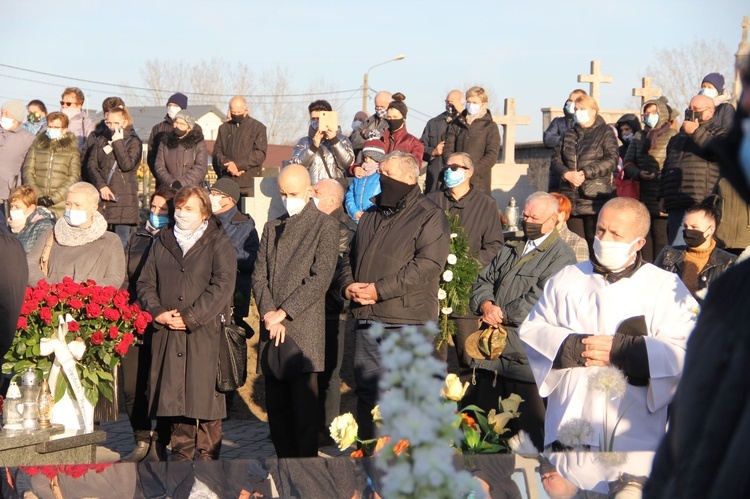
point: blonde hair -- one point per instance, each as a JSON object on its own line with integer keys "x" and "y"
{"x": 478, "y": 92}
{"x": 589, "y": 102}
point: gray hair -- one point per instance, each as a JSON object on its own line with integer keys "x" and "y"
{"x": 91, "y": 192}
{"x": 467, "y": 159}
{"x": 642, "y": 222}
{"x": 544, "y": 198}
{"x": 337, "y": 190}
{"x": 406, "y": 161}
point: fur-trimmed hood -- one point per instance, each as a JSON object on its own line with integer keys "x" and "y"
{"x": 190, "y": 140}
{"x": 68, "y": 142}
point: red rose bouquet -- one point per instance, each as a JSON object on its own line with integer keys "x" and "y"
{"x": 104, "y": 322}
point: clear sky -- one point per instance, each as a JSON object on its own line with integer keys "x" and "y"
{"x": 532, "y": 50}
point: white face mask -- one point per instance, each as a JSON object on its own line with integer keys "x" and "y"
{"x": 172, "y": 111}
{"x": 612, "y": 255}
{"x": 70, "y": 112}
{"x": 473, "y": 108}
{"x": 54, "y": 133}
{"x": 17, "y": 215}
{"x": 709, "y": 92}
{"x": 582, "y": 116}
{"x": 6, "y": 123}
{"x": 293, "y": 205}
{"x": 215, "y": 203}
{"x": 570, "y": 107}
{"x": 76, "y": 218}
{"x": 651, "y": 120}
{"x": 627, "y": 137}
{"x": 17, "y": 221}
{"x": 185, "y": 220}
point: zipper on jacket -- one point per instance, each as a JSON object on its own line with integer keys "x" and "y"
{"x": 49, "y": 170}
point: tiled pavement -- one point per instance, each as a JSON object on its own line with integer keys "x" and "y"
{"x": 242, "y": 439}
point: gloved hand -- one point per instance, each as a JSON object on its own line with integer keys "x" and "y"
{"x": 45, "y": 201}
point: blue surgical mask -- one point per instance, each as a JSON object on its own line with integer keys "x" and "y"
{"x": 314, "y": 124}
{"x": 454, "y": 178}
{"x": 158, "y": 221}
{"x": 472, "y": 108}
{"x": 54, "y": 133}
{"x": 570, "y": 108}
{"x": 744, "y": 152}
{"x": 581, "y": 116}
{"x": 75, "y": 218}
{"x": 651, "y": 120}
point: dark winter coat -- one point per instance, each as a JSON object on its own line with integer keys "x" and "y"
{"x": 51, "y": 167}
{"x": 136, "y": 252}
{"x": 37, "y": 223}
{"x": 12, "y": 287}
{"x": 123, "y": 181}
{"x": 335, "y": 303}
{"x": 551, "y": 138}
{"x": 640, "y": 157}
{"x": 634, "y": 123}
{"x": 183, "y": 160}
{"x": 198, "y": 285}
{"x": 724, "y": 113}
{"x": 433, "y": 134}
{"x": 402, "y": 140}
{"x": 480, "y": 140}
{"x": 478, "y": 215}
{"x": 672, "y": 259}
{"x": 361, "y": 134}
{"x": 403, "y": 254}
{"x": 100, "y": 130}
{"x": 690, "y": 171}
{"x": 296, "y": 261}
{"x": 514, "y": 283}
{"x": 154, "y": 141}
{"x": 593, "y": 151}
{"x": 245, "y": 144}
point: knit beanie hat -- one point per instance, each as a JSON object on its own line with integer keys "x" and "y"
{"x": 228, "y": 187}
{"x": 374, "y": 149}
{"x": 179, "y": 99}
{"x": 186, "y": 117}
{"x": 716, "y": 80}
{"x": 16, "y": 109}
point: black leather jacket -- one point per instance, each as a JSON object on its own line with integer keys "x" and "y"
{"x": 672, "y": 259}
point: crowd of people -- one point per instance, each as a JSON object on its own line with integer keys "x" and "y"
{"x": 597, "y": 281}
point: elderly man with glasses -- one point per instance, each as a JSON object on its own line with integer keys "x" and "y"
{"x": 80, "y": 123}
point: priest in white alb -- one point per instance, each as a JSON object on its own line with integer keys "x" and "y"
{"x": 612, "y": 311}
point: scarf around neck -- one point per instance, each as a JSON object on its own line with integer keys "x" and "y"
{"x": 186, "y": 239}
{"x": 67, "y": 235}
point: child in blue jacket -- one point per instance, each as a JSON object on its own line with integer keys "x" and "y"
{"x": 366, "y": 183}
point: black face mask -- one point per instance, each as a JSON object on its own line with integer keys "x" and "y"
{"x": 180, "y": 133}
{"x": 238, "y": 118}
{"x": 394, "y": 125}
{"x": 532, "y": 230}
{"x": 451, "y": 110}
{"x": 392, "y": 191}
{"x": 693, "y": 238}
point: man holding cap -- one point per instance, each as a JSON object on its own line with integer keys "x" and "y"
{"x": 176, "y": 103}
{"x": 182, "y": 159}
{"x": 224, "y": 196}
{"x": 14, "y": 142}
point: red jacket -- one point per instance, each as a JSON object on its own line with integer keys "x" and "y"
{"x": 403, "y": 141}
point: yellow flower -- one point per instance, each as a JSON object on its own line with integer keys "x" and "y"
{"x": 377, "y": 418}
{"x": 344, "y": 430}
{"x": 511, "y": 404}
{"x": 499, "y": 420}
{"x": 453, "y": 389}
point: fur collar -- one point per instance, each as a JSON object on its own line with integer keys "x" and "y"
{"x": 190, "y": 140}
{"x": 66, "y": 143}
{"x": 67, "y": 235}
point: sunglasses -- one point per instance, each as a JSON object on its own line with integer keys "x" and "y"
{"x": 67, "y": 104}
{"x": 456, "y": 167}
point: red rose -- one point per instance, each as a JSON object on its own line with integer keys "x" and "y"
{"x": 49, "y": 471}
{"x": 74, "y": 470}
{"x": 27, "y": 294}
{"x": 38, "y": 294}
{"x": 134, "y": 309}
{"x": 52, "y": 300}
{"x": 127, "y": 316}
{"x": 44, "y": 285}
{"x": 73, "y": 326}
{"x": 122, "y": 348}
{"x": 22, "y": 323}
{"x": 128, "y": 338}
{"x": 141, "y": 323}
{"x": 45, "y": 313}
{"x": 76, "y": 303}
{"x": 93, "y": 311}
{"x": 113, "y": 332}
{"x": 100, "y": 298}
{"x": 111, "y": 314}
{"x": 29, "y": 307}
{"x": 97, "y": 338}
{"x": 62, "y": 294}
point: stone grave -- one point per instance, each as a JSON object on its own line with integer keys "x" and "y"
{"x": 54, "y": 445}
{"x": 510, "y": 179}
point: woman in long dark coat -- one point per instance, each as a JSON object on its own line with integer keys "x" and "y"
{"x": 186, "y": 284}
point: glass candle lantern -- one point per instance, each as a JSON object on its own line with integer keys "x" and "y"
{"x": 29, "y": 394}
{"x": 44, "y": 404}
{"x": 511, "y": 213}
{"x": 13, "y": 408}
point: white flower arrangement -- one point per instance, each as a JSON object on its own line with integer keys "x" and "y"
{"x": 344, "y": 430}
{"x": 446, "y": 310}
{"x": 452, "y": 259}
{"x": 608, "y": 380}
{"x": 442, "y": 294}
{"x": 454, "y": 235}
{"x": 448, "y": 275}
{"x": 575, "y": 433}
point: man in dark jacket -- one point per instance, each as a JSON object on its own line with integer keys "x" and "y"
{"x": 240, "y": 228}
{"x": 12, "y": 285}
{"x": 240, "y": 147}
{"x": 329, "y": 196}
{"x": 373, "y": 126}
{"x": 433, "y": 139}
{"x": 176, "y": 103}
{"x": 555, "y": 131}
{"x": 477, "y": 214}
{"x": 504, "y": 294}
{"x": 296, "y": 262}
{"x": 690, "y": 171}
{"x": 392, "y": 270}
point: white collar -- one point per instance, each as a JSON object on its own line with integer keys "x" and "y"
{"x": 533, "y": 244}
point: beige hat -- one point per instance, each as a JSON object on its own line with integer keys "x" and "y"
{"x": 16, "y": 109}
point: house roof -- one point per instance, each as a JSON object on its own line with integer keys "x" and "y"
{"x": 144, "y": 118}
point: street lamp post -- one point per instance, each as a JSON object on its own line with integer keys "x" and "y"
{"x": 366, "y": 84}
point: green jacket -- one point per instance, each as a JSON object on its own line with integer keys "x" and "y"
{"x": 51, "y": 167}
{"x": 515, "y": 283}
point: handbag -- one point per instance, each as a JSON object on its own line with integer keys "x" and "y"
{"x": 596, "y": 188}
{"x": 627, "y": 188}
{"x": 46, "y": 252}
{"x": 232, "y": 371}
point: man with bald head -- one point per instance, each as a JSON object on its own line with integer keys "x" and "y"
{"x": 392, "y": 271}
{"x": 691, "y": 170}
{"x": 373, "y": 126}
{"x": 617, "y": 311}
{"x": 433, "y": 139}
{"x": 240, "y": 147}
{"x": 295, "y": 265}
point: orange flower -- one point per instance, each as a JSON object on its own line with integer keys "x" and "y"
{"x": 382, "y": 441}
{"x": 357, "y": 453}
{"x": 465, "y": 418}
{"x": 400, "y": 447}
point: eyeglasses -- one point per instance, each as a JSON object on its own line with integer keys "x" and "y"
{"x": 455, "y": 167}
{"x": 67, "y": 104}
